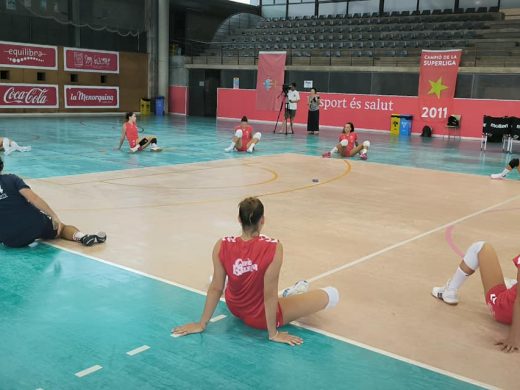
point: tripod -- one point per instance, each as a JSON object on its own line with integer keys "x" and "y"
{"x": 284, "y": 103}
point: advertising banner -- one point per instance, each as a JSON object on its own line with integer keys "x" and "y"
{"x": 271, "y": 69}
{"x": 84, "y": 60}
{"x": 437, "y": 81}
{"x": 28, "y": 96}
{"x": 80, "y": 96}
{"x": 21, "y": 55}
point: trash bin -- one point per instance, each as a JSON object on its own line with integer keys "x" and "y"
{"x": 395, "y": 123}
{"x": 145, "y": 106}
{"x": 401, "y": 124}
{"x": 159, "y": 105}
{"x": 405, "y": 125}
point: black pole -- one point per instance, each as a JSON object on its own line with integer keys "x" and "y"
{"x": 286, "y": 9}
{"x": 498, "y": 5}
{"x": 316, "y": 7}
{"x": 381, "y": 7}
{"x": 456, "y": 5}
{"x": 417, "y": 9}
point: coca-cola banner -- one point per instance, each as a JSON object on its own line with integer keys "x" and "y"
{"x": 21, "y": 55}
{"x": 81, "y": 60}
{"x": 91, "y": 97}
{"x": 28, "y": 96}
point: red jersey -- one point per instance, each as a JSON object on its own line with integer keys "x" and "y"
{"x": 352, "y": 139}
{"x": 501, "y": 299}
{"x": 247, "y": 135}
{"x": 245, "y": 263}
{"x": 131, "y": 133}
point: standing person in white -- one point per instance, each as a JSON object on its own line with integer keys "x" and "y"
{"x": 293, "y": 97}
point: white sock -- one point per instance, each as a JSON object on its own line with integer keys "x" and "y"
{"x": 78, "y": 236}
{"x": 333, "y": 294}
{"x": 364, "y": 151}
{"x": 154, "y": 145}
{"x": 457, "y": 280}
{"x": 251, "y": 148}
{"x": 230, "y": 147}
{"x": 334, "y": 150}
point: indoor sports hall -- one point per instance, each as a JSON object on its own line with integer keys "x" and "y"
{"x": 383, "y": 231}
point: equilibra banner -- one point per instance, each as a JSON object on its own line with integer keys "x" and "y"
{"x": 21, "y": 55}
{"x": 82, "y": 60}
{"x": 91, "y": 97}
{"x": 269, "y": 83}
{"x": 28, "y": 96}
{"x": 437, "y": 81}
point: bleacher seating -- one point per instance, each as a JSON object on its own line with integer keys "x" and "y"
{"x": 378, "y": 39}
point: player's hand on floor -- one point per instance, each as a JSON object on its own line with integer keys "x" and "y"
{"x": 286, "y": 338}
{"x": 508, "y": 345}
{"x": 184, "y": 330}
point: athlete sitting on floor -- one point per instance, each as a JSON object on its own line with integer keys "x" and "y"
{"x": 348, "y": 145}
{"x": 252, "y": 264}
{"x": 130, "y": 131}
{"x": 9, "y": 146}
{"x": 244, "y": 140}
{"x": 26, "y": 217}
{"x": 514, "y": 163}
{"x": 503, "y": 302}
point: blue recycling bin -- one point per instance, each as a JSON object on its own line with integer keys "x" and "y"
{"x": 405, "y": 125}
{"x": 159, "y": 105}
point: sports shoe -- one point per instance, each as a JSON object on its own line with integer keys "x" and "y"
{"x": 448, "y": 296}
{"x": 326, "y": 155}
{"x": 510, "y": 282}
{"x": 363, "y": 156}
{"x": 299, "y": 287}
{"x": 229, "y": 149}
{"x": 497, "y": 176}
{"x": 134, "y": 149}
{"x": 155, "y": 148}
{"x": 91, "y": 239}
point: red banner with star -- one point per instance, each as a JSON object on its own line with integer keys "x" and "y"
{"x": 437, "y": 81}
{"x": 271, "y": 69}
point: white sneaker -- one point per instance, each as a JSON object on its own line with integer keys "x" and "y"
{"x": 229, "y": 149}
{"x": 250, "y": 149}
{"x": 299, "y": 287}
{"x": 448, "y": 296}
{"x": 497, "y": 176}
{"x": 134, "y": 149}
{"x": 510, "y": 282}
{"x": 24, "y": 148}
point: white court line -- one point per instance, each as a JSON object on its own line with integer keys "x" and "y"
{"x": 88, "y": 371}
{"x": 138, "y": 350}
{"x": 218, "y": 318}
{"x": 401, "y": 243}
{"x": 397, "y": 357}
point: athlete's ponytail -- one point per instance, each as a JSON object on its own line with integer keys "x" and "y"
{"x": 250, "y": 211}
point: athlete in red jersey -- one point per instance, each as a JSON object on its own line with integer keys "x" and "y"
{"x": 502, "y": 301}
{"x": 348, "y": 145}
{"x": 244, "y": 140}
{"x": 130, "y": 132}
{"x": 252, "y": 264}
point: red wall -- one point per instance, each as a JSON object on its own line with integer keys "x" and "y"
{"x": 178, "y": 100}
{"x": 368, "y": 111}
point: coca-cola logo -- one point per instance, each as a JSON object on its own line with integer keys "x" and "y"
{"x": 33, "y": 96}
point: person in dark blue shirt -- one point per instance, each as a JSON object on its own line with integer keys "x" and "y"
{"x": 26, "y": 217}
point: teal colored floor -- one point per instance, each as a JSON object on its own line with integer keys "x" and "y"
{"x": 71, "y": 146}
{"x": 61, "y": 313}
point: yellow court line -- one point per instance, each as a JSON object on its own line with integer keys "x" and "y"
{"x": 345, "y": 172}
{"x": 274, "y": 177}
